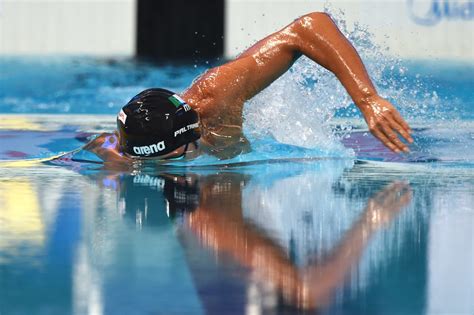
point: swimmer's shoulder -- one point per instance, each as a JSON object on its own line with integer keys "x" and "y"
{"x": 220, "y": 120}
{"x": 214, "y": 94}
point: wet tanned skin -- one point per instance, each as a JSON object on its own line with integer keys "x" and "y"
{"x": 219, "y": 94}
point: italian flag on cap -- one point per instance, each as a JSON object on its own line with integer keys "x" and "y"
{"x": 176, "y": 100}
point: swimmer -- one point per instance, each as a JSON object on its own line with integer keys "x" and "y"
{"x": 207, "y": 117}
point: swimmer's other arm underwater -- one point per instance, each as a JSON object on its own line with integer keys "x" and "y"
{"x": 160, "y": 124}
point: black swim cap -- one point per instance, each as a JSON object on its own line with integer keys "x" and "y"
{"x": 156, "y": 122}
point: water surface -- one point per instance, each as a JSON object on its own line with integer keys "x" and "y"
{"x": 318, "y": 218}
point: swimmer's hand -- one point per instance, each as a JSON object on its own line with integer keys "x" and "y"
{"x": 385, "y": 122}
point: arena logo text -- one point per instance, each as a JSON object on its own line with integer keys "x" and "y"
{"x": 150, "y": 149}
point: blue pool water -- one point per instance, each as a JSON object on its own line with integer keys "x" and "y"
{"x": 318, "y": 218}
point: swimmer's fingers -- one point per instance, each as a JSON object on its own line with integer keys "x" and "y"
{"x": 393, "y": 138}
{"x": 384, "y": 122}
{"x": 398, "y": 118}
{"x": 379, "y": 135}
{"x": 400, "y": 129}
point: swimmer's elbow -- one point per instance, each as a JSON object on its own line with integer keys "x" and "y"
{"x": 312, "y": 29}
{"x": 312, "y": 21}
{"x": 318, "y": 17}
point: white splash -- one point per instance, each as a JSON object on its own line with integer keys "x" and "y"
{"x": 300, "y": 106}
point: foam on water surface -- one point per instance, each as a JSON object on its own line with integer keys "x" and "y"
{"x": 48, "y": 137}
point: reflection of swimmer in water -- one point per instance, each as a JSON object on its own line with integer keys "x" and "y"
{"x": 160, "y": 124}
{"x": 141, "y": 196}
{"x": 211, "y": 208}
{"x": 218, "y": 222}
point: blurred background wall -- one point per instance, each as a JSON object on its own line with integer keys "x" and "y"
{"x": 93, "y": 27}
{"x": 410, "y": 28}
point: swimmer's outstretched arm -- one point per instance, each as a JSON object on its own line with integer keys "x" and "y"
{"x": 316, "y": 36}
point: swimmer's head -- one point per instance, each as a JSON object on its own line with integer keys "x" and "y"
{"x": 156, "y": 122}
